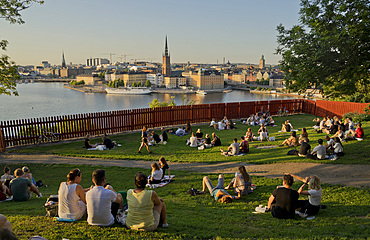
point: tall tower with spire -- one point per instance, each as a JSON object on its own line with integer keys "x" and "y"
{"x": 166, "y": 67}
{"x": 63, "y": 61}
{"x": 262, "y": 62}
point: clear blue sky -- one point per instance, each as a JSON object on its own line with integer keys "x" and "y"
{"x": 199, "y": 31}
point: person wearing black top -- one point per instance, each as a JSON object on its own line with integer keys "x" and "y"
{"x": 87, "y": 142}
{"x": 156, "y": 137}
{"x": 199, "y": 135}
{"x": 164, "y": 167}
{"x": 283, "y": 200}
{"x": 164, "y": 135}
{"x": 304, "y": 149}
{"x": 107, "y": 142}
{"x": 216, "y": 140}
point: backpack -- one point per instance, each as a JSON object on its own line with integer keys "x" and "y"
{"x": 292, "y": 152}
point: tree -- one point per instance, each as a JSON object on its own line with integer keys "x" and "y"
{"x": 155, "y": 103}
{"x": 329, "y": 49}
{"x": 148, "y": 83}
{"x": 134, "y": 84}
{"x": 10, "y": 11}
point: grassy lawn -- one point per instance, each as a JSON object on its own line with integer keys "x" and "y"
{"x": 346, "y": 216}
{"x": 176, "y": 150}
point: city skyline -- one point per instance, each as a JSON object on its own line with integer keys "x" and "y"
{"x": 199, "y": 32}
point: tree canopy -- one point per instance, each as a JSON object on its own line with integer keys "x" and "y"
{"x": 329, "y": 49}
{"x": 10, "y": 11}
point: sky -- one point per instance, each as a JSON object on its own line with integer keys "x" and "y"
{"x": 199, "y": 31}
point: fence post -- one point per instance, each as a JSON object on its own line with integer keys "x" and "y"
{"x": 2, "y": 140}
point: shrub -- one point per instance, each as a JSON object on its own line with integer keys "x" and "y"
{"x": 357, "y": 117}
{"x": 258, "y": 88}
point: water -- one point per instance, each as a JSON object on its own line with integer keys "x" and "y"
{"x": 51, "y": 99}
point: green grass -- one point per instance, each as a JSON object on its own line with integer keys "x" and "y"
{"x": 347, "y": 215}
{"x": 177, "y": 151}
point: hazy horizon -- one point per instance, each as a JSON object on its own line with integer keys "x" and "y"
{"x": 198, "y": 31}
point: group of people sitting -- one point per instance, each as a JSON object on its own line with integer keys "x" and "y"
{"x": 236, "y": 148}
{"x": 149, "y": 137}
{"x": 107, "y": 143}
{"x": 197, "y": 140}
{"x": 158, "y": 171}
{"x": 145, "y": 209}
{"x": 222, "y": 124}
{"x": 18, "y": 187}
{"x": 262, "y": 134}
{"x": 342, "y": 128}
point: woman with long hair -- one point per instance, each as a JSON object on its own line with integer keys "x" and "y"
{"x": 71, "y": 197}
{"x": 304, "y": 136}
{"x": 144, "y": 140}
{"x": 164, "y": 167}
{"x": 156, "y": 175}
{"x": 242, "y": 182}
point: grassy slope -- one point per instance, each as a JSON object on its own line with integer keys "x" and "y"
{"x": 347, "y": 214}
{"x": 176, "y": 150}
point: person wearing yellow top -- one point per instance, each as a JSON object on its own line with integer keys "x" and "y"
{"x": 145, "y": 209}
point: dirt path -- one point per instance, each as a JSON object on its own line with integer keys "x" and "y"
{"x": 349, "y": 175}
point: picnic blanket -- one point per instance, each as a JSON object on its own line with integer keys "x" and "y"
{"x": 166, "y": 180}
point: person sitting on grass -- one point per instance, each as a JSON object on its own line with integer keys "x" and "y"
{"x": 292, "y": 141}
{"x": 164, "y": 167}
{"x": 72, "y": 197}
{"x": 230, "y": 125}
{"x": 193, "y": 142}
{"x": 213, "y": 122}
{"x": 7, "y": 177}
{"x": 314, "y": 193}
{"x": 4, "y": 191}
{"x": 144, "y": 140}
{"x": 338, "y": 147}
{"x": 263, "y": 132}
{"x": 188, "y": 128}
{"x": 199, "y": 135}
{"x": 156, "y": 175}
{"x": 242, "y": 182}
{"x": 303, "y": 136}
{"x": 355, "y": 134}
{"x": 155, "y": 137}
{"x": 216, "y": 141}
{"x": 221, "y": 125}
{"x": 21, "y": 188}
{"x": 285, "y": 127}
{"x": 109, "y": 144}
{"x": 207, "y": 141}
{"x": 304, "y": 149}
{"x": 27, "y": 174}
{"x": 145, "y": 209}
{"x": 180, "y": 132}
{"x": 329, "y": 142}
{"x": 249, "y": 135}
{"x": 232, "y": 150}
{"x": 283, "y": 201}
{"x": 244, "y": 145}
{"x": 218, "y": 192}
{"x": 339, "y": 133}
{"x": 87, "y": 142}
{"x": 164, "y": 136}
{"x": 102, "y": 202}
{"x": 319, "y": 152}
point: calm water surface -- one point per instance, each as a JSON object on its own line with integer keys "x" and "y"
{"x": 51, "y": 99}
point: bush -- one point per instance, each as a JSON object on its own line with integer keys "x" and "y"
{"x": 357, "y": 117}
{"x": 75, "y": 83}
{"x": 258, "y": 88}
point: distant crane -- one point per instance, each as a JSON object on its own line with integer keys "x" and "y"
{"x": 124, "y": 56}
{"x": 110, "y": 56}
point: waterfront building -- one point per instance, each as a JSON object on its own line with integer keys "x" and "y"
{"x": 264, "y": 75}
{"x": 156, "y": 79}
{"x": 262, "y": 62}
{"x": 130, "y": 77}
{"x": 89, "y": 79}
{"x": 166, "y": 67}
{"x": 207, "y": 79}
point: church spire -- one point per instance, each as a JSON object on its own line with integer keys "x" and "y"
{"x": 166, "y": 48}
{"x": 63, "y": 61}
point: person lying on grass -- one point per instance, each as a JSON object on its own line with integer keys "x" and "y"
{"x": 72, "y": 197}
{"x": 232, "y": 150}
{"x": 283, "y": 200}
{"x": 241, "y": 182}
{"x": 218, "y": 192}
{"x": 314, "y": 193}
{"x": 145, "y": 209}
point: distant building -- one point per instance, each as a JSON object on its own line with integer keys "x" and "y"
{"x": 208, "y": 79}
{"x": 131, "y": 77}
{"x": 166, "y": 67}
{"x": 262, "y": 62}
{"x": 63, "y": 61}
{"x": 45, "y": 64}
{"x": 96, "y": 61}
{"x": 156, "y": 79}
{"x": 89, "y": 79}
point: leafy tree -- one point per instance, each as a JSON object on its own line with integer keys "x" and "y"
{"x": 10, "y": 11}
{"x": 139, "y": 84}
{"x": 155, "y": 103}
{"x": 134, "y": 84}
{"x": 148, "y": 83}
{"x": 186, "y": 101}
{"x": 257, "y": 81}
{"x": 248, "y": 82}
{"x": 329, "y": 49}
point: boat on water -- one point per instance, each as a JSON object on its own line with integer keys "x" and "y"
{"x": 129, "y": 90}
{"x": 201, "y": 92}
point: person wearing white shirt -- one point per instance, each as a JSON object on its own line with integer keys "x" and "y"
{"x": 193, "y": 140}
{"x": 99, "y": 201}
{"x": 329, "y": 142}
{"x": 319, "y": 152}
{"x": 156, "y": 175}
